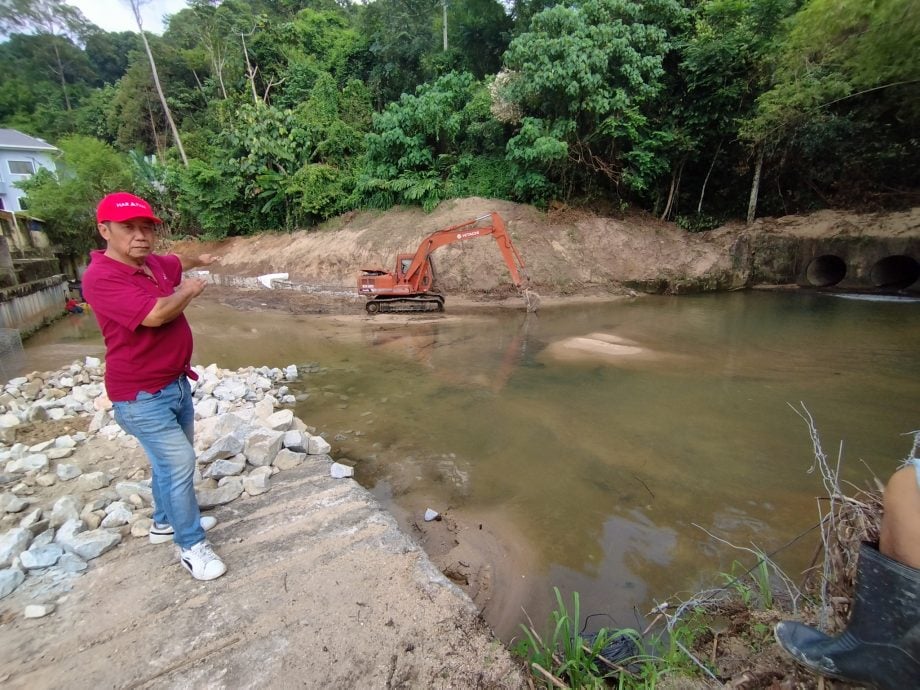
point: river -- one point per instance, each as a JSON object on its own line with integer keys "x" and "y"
{"x": 606, "y": 475}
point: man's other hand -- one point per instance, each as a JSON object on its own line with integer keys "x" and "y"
{"x": 192, "y": 286}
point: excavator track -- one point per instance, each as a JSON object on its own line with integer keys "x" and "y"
{"x": 392, "y": 305}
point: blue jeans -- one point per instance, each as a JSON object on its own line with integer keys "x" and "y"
{"x": 164, "y": 425}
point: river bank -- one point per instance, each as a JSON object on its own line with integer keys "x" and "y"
{"x": 576, "y": 252}
{"x": 323, "y": 589}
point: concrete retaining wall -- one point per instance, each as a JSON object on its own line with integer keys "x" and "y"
{"x": 869, "y": 264}
{"x": 27, "y": 307}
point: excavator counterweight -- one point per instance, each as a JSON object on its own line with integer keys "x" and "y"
{"x": 411, "y": 287}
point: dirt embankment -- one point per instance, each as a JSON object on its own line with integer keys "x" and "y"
{"x": 567, "y": 252}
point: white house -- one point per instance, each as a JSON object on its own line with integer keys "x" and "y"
{"x": 20, "y": 157}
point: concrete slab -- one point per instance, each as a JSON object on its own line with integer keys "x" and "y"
{"x": 322, "y": 590}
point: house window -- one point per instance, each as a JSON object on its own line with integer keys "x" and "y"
{"x": 21, "y": 167}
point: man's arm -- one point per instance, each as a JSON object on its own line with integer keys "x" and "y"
{"x": 168, "y": 308}
{"x": 190, "y": 262}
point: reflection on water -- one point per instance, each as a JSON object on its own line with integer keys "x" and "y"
{"x": 877, "y": 298}
{"x": 607, "y": 471}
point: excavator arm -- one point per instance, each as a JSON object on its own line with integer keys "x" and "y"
{"x": 469, "y": 230}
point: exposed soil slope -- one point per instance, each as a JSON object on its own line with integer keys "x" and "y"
{"x": 567, "y": 252}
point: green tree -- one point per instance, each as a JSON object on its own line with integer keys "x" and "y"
{"x": 215, "y": 29}
{"x": 136, "y": 116}
{"x": 314, "y": 43}
{"x": 725, "y": 63}
{"x": 207, "y": 34}
{"x": 838, "y": 121}
{"x": 399, "y": 34}
{"x": 324, "y": 182}
{"x": 135, "y": 6}
{"x": 274, "y": 168}
{"x": 338, "y": 136}
{"x": 96, "y": 117}
{"x": 522, "y": 11}
{"x": 87, "y": 170}
{"x": 585, "y": 75}
{"x": 137, "y": 120}
{"x": 478, "y": 32}
{"x": 415, "y": 143}
{"x": 31, "y": 96}
{"x": 110, "y": 54}
{"x": 259, "y": 151}
{"x": 54, "y": 18}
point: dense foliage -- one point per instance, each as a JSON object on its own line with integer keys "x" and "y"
{"x": 278, "y": 115}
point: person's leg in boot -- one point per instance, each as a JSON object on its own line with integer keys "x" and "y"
{"x": 881, "y": 644}
{"x": 900, "y": 532}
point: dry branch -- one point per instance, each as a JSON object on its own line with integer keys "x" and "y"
{"x": 846, "y": 522}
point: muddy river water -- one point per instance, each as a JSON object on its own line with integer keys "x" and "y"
{"x": 597, "y": 442}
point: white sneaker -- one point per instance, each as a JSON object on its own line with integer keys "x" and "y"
{"x": 201, "y": 561}
{"x": 160, "y": 534}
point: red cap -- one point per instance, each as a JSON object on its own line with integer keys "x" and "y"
{"x": 121, "y": 206}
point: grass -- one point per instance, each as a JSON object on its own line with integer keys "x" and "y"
{"x": 564, "y": 654}
{"x": 565, "y": 658}
{"x": 759, "y": 592}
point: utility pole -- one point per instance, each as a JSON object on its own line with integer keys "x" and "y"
{"x": 444, "y": 8}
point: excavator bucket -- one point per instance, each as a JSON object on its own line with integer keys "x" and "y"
{"x": 531, "y": 300}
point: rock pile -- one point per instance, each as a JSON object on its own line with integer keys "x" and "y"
{"x": 71, "y": 498}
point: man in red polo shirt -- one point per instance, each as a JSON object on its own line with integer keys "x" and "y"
{"x": 138, "y": 298}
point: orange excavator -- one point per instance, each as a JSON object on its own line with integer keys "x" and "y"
{"x": 412, "y": 286}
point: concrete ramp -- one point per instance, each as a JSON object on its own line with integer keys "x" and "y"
{"x": 322, "y": 591}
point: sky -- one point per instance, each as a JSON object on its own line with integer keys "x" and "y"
{"x": 115, "y": 15}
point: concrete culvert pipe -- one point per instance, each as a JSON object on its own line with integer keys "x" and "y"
{"x": 824, "y": 271}
{"x": 895, "y": 272}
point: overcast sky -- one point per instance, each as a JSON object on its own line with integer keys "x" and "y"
{"x": 115, "y": 15}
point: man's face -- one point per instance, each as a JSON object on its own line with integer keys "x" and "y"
{"x": 129, "y": 241}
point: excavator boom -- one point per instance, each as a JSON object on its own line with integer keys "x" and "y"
{"x": 411, "y": 287}
{"x": 466, "y": 231}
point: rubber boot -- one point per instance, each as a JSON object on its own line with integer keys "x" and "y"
{"x": 881, "y": 644}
